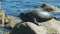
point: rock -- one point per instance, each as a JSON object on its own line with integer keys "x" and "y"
{"x": 49, "y": 7}
{"x": 11, "y": 21}
{"x": 7, "y": 33}
{"x": 2, "y": 16}
{"x": 53, "y": 26}
{"x": 28, "y": 28}
{"x": 37, "y": 29}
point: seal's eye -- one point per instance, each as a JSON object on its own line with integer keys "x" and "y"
{"x": 43, "y": 16}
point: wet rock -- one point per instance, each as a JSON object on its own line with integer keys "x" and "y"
{"x": 53, "y": 26}
{"x": 11, "y": 21}
{"x": 28, "y": 28}
{"x": 49, "y": 7}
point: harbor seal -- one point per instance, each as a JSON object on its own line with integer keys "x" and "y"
{"x": 36, "y": 16}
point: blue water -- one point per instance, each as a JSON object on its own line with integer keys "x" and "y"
{"x": 14, "y": 7}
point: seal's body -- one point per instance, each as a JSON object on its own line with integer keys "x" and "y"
{"x": 36, "y": 16}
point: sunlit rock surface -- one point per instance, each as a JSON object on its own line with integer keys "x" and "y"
{"x": 53, "y": 26}
{"x": 11, "y": 21}
{"x": 28, "y": 28}
{"x": 2, "y": 16}
{"x": 7, "y": 33}
{"x": 50, "y": 7}
{"x": 7, "y": 21}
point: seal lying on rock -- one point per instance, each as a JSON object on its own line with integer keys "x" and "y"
{"x": 36, "y": 16}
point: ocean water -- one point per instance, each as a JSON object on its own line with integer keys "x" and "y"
{"x": 14, "y": 7}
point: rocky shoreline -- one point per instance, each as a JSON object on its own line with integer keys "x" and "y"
{"x": 18, "y": 26}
